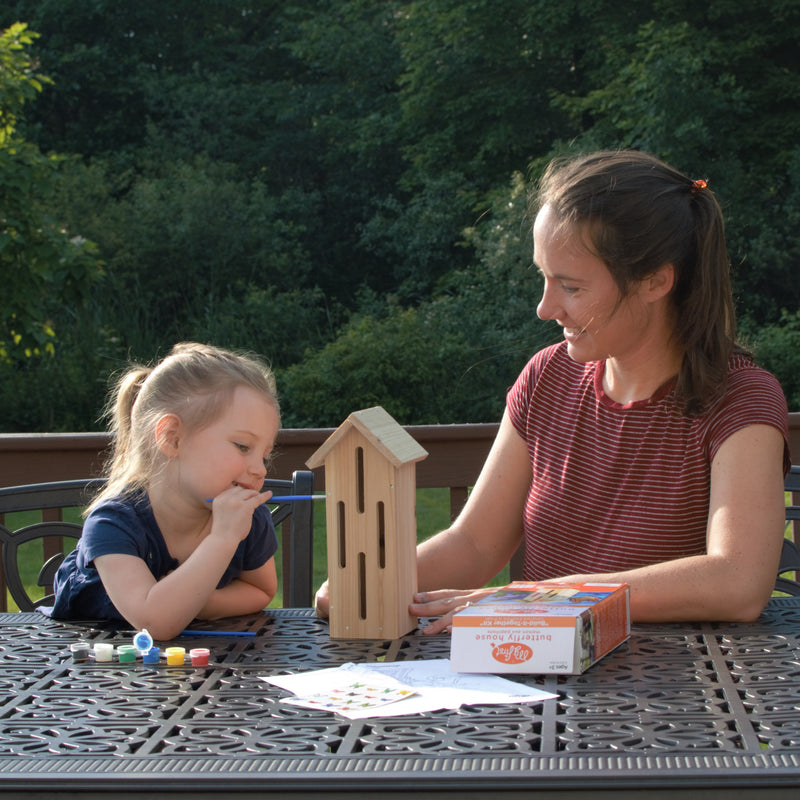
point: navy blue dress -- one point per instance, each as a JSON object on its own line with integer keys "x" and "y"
{"x": 127, "y": 525}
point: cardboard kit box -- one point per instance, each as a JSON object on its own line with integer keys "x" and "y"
{"x": 541, "y": 628}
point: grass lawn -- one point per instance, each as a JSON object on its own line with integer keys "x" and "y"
{"x": 433, "y": 513}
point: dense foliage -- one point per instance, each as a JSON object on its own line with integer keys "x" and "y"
{"x": 341, "y": 184}
{"x": 44, "y": 267}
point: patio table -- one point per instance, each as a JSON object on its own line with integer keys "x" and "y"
{"x": 678, "y": 710}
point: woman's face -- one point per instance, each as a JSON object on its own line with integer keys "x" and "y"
{"x": 581, "y": 295}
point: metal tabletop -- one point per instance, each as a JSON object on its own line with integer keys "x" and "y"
{"x": 711, "y": 708}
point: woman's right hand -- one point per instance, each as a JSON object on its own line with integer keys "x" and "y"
{"x": 443, "y": 603}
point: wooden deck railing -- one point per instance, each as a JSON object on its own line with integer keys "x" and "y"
{"x": 456, "y": 454}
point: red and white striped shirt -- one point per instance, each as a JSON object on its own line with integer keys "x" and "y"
{"x": 621, "y": 486}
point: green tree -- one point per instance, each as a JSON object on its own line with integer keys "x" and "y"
{"x": 44, "y": 267}
{"x": 715, "y": 90}
{"x": 121, "y": 67}
{"x": 476, "y": 92}
{"x": 453, "y": 357}
{"x": 339, "y": 111}
{"x": 328, "y": 180}
{"x": 777, "y": 348}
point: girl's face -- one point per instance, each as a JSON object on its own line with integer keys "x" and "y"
{"x": 232, "y": 450}
{"x": 581, "y": 295}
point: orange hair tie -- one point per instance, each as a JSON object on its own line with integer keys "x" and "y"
{"x": 697, "y": 186}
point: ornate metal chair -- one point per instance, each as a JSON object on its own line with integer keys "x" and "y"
{"x": 790, "y": 555}
{"x": 293, "y": 520}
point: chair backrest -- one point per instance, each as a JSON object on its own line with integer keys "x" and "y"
{"x": 294, "y": 521}
{"x": 790, "y": 555}
{"x": 792, "y": 486}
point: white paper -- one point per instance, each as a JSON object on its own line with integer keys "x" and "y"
{"x": 365, "y": 692}
{"x": 434, "y": 684}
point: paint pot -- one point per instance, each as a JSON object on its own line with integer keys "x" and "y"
{"x": 175, "y": 655}
{"x": 80, "y": 651}
{"x": 143, "y": 641}
{"x": 199, "y": 656}
{"x": 126, "y": 653}
{"x": 103, "y": 651}
{"x": 152, "y": 656}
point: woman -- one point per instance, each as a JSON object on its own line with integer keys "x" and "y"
{"x": 646, "y": 448}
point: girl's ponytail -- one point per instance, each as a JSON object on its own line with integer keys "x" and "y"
{"x": 121, "y": 408}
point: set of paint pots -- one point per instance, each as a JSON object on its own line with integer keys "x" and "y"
{"x": 104, "y": 652}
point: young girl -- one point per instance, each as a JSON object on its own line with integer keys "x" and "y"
{"x": 645, "y": 448}
{"x": 180, "y": 530}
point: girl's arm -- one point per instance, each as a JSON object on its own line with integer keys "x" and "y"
{"x": 252, "y": 591}
{"x": 167, "y": 605}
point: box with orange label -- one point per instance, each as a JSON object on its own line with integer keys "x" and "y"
{"x": 541, "y": 628}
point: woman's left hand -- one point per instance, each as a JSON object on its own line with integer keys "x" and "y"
{"x": 443, "y": 603}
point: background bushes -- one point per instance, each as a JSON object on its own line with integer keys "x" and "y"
{"x": 342, "y": 186}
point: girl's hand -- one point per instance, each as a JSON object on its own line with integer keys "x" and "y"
{"x": 232, "y": 512}
{"x": 443, "y": 603}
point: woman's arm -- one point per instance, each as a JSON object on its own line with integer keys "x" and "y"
{"x": 489, "y": 529}
{"x": 483, "y": 538}
{"x": 735, "y": 578}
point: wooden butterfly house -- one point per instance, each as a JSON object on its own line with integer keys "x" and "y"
{"x": 370, "y": 484}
